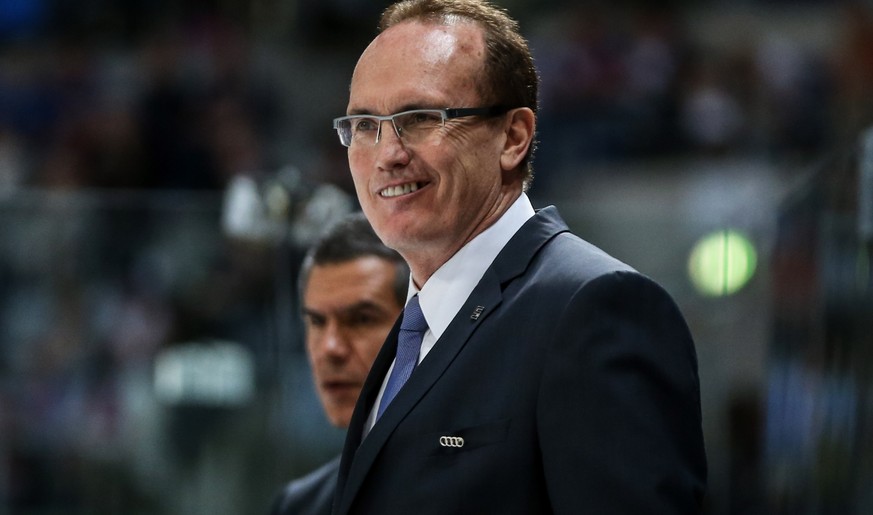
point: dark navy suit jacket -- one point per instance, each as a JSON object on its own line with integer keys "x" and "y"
{"x": 572, "y": 380}
{"x": 310, "y": 495}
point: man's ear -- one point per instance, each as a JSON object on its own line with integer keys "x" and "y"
{"x": 519, "y": 130}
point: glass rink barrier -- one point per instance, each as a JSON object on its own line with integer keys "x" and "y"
{"x": 818, "y": 439}
{"x": 772, "y": 265}
{"x": 151, "y": 359}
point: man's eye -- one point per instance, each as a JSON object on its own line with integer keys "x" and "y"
{"x": 365, "y": 124}
{"x": 315, "y": 321}
{"x": 362, "y": 319}
{"x": 423, "y": 119}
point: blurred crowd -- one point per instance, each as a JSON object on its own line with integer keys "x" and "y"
{"x": 142, "y": 95}
{"x": 180, "y": 108}
{"x": 652, "y": 82}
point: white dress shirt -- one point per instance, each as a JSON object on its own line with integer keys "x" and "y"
{"x": 442, "y": 296}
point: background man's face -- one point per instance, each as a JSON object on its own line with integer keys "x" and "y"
{"x": 348, "y": 308}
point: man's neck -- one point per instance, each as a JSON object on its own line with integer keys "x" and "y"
{"x": 426, "y": 259}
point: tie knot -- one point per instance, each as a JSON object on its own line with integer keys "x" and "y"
{"x": 413, "y": 318}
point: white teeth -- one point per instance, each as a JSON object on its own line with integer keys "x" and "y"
{"x": 396, "y": 191}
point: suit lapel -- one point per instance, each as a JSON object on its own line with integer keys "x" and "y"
{"x": 367, "y": 398}
{"x": 483, "y": 301}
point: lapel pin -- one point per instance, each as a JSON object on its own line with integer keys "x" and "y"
{"x": 476, "y": 312}
{"x": 452, "y": 441}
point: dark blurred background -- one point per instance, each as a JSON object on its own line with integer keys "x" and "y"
{"x": 163, "y": 164}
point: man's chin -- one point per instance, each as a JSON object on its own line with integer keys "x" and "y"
{"x": 341, "y": 420}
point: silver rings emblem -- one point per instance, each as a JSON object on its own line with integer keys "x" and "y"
{"x": 451, "y": 441}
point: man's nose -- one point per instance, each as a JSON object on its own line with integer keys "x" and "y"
{"x": 335, "y": 344}
{"x": 391, "y": 152}
{"x": 394, "y": 130}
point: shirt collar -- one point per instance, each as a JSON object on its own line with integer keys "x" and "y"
{"x": 449, "y": 287}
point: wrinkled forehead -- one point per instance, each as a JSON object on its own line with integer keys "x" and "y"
{"x": 418, "y": 58}
{"x": 423, "y": 47}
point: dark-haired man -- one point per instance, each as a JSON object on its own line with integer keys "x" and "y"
{"x": 352, "y": 289}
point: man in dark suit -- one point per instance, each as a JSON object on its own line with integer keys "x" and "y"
{"x": 531, "y": 373}
{"x": 352, "y": 289}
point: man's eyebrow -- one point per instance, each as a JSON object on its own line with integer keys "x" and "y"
{"x": 405, "y": 107}
{"x": 363, "y": 305}
{"x": 412, "y": 106}
{"x": 307, "y": 312}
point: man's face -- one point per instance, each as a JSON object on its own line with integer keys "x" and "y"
{"x": 348, "y": 309}
{"x": 456, "y": 169}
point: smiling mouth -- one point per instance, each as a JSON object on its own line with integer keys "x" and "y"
{"x": 403, "y": 189}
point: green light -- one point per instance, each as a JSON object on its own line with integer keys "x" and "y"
{"x": 722, "y": 262}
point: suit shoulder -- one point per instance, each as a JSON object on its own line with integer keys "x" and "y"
{"x": 569, "y": 254}
{"x": 311, "y": 494}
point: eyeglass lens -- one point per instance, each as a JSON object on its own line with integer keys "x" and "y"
{"x": 411, "y": 126}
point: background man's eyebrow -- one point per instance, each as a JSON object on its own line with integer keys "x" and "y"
{"x": 306, "y": 312}
{"x": 365, "y": 305}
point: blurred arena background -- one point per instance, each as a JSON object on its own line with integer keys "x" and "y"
{"x": 163, "y": 164}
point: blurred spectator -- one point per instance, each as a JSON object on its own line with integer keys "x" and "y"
{"x": 712, "y": 117}
{"x": 13, "y": 164}
{"x": 794, "y": 96}
{"x": 853, "y": 62}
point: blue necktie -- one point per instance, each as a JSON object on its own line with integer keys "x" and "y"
{"x": 412, "y": 329}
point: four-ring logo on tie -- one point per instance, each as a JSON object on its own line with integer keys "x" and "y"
{"x": 451, "y": 441}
